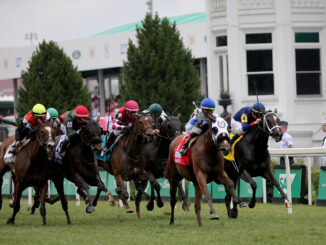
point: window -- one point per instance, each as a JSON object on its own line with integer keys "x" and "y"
{"x": 221, "y": 41}
{"x": 307, "y": 64}
{"x": 260, "y": 64}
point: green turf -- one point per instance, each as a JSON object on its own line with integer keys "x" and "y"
{"x": 265, "y": 224}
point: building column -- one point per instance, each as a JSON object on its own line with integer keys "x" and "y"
{"x": 203, "y": 77}
{"x": 15, "y": 96}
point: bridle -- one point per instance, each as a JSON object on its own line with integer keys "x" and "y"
{"x": 266, "y": 128}
{"x": 219, "y": 140}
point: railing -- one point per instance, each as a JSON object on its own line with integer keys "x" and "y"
{"x": 305, "y": 152}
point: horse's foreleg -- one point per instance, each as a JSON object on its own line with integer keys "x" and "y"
{"x": 16, "y": 204}
{"x": 36, "y": 203}
{"x": 185, "y": 206}
{"x": 1, "y": 180}
{"x": 122, "y": 193}
{"x": 58, "y": 183}
{"x": 42, "y": 200}
{"x": 198, "y": 197}
{"x": 83, "y": 187}
{"x": 270, "y": 176}
{"x": 246, "y": 177}
{"x": 202, "y": 184}
{"x": 150, "y": 204}
{"x": 140, "y": 186}
{"x": 173, "y": 197}
{"x": 231, "y": 199}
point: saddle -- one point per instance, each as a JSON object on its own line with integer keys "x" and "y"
{"x": 230, "y": 156}
{"x": 106, "y": 156}
{"x": 177, "y": 156}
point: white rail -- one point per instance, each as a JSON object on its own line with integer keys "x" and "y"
{"x": 305, "y": 152}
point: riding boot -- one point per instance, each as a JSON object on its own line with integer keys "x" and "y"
{"x": 234, "y": 138}
{"x": 183, "y": 149}
{"x": 110, "y": 141}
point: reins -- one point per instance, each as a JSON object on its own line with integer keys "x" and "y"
{"x": 269, "y": 130}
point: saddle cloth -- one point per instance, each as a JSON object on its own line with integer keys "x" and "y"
{"x": 178, "y": 157}
{"x": 106, "y": 156}
{"x": 230, "y": 156}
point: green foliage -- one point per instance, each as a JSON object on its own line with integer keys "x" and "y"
{"x": 52, "y": 80}
{"x": 160, "y": 69}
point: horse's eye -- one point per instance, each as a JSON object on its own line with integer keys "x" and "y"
{"x": 169, "y": 127}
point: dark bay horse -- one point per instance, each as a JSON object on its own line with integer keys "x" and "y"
{"x": 206, "y": 165}
{"x": 80, "y": 164}
{"x": 126, "y": 163}
{"x": 33, "y": 167}
{"x": 155, "y": 155}
{"x": 252, "y": 157}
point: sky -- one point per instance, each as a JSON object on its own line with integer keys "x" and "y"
{"x": 62, "y": 20}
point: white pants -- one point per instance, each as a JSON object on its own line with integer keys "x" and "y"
{"x": 9, "y": 157}
{"x": 236, "y": 126}
{"x": 195, "y": 130}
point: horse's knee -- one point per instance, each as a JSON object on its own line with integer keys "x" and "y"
{"x": 253, "y": 185}
{"x": 229, "y": 185}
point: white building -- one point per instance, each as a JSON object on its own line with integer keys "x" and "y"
{"x": 274, "y": 47}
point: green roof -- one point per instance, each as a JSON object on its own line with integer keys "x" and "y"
{"x": 179, "y": 20}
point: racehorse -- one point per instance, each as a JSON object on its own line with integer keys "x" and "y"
{"x": 155, "y": 155}
{"x": 80, "y": 164}
{"x": 126, "y": 163}
{"x": 33, "y": 167}
{"x": 206, "y": 165}
{"x": 252, "y": 157}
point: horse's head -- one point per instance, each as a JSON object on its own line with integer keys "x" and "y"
{"x": 91, "y": 136}
{"x": 220, "y": 135}
{"x": 271, "y": 125}
{"x": 171, "y": 127}
{"x": 143, "y": 127}
{"x": 45, "y": 137}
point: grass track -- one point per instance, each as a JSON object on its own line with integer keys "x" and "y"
{"x": 265, "y": 224}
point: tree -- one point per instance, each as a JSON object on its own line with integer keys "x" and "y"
{"x": 160, "y": 69}
{"x": 52, "y": 80}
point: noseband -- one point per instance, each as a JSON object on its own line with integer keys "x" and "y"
{"x": 266, "y": 128}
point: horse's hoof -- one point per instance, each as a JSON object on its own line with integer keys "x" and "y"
{"x": 10, "y": 221}
{"x": 111, "y": 203}
{"x": 160, "y": 204}
{"x": 234, "y": 214}
{"x": 150, "y": 206}
{"x": 11, "y": 203}
{"x": 243, "y": 205}
{"x": 90, "y": 209}
{"x": 252, "y": 205}
{"x": 214, "y": 216}
{"x": 287, "y": 204}
{"x": 185, "y": 207}
{"x": 129, "y": 211}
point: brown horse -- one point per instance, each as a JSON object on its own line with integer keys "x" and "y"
{"x": 33, "y": 167}
{"x": 126, "y": 163}
{"x": 206, "y": 165}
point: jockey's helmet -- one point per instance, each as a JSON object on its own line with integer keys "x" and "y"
{"x": 207, "y": 104}
{"x": 53, "y": 112}
{"x": 132, "y": 106}
{"x": 155, "y": 109}
{"x": 81, "y": 111}
{"x": 258, "y": 108}
{"x": 39, "y": 110}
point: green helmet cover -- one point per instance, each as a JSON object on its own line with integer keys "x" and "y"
{"x": 155, "y": 109}
{"x": 53, "y": 112}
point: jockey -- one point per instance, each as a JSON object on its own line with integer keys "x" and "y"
{"x": 73, "y": 121}
{"x": 122, "y": 120}
{"x": 246, "y": 118}
{"x": 200, "y": 121}
{"x": 31, "y": 121}
{"x": 158, "y": 116}
{"x": 52, "y": 113}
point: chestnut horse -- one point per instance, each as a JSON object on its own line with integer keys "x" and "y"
{"x": 126, "y": 163}
{"x": 206, "y": 165}
{"x": 33, "y": 167}
{"x": 155, "y": 155}
{"x": 252, "y": 157}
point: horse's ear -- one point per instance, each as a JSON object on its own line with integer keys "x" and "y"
{"x": 178, "y": 116}
{"x": 167, "y": 118}
{"x": 215, "y": 129}
{"x": 51, "y": 122}
{"x": 275, "y": 110}
{"x": 98, "y": 119}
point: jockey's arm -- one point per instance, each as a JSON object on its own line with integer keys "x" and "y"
{"x": 191, "y": 123}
